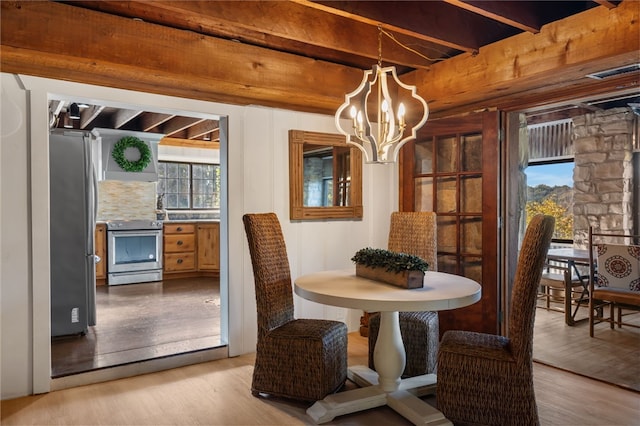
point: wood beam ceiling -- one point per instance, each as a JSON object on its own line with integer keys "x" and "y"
{"x": 188, "y": 64}
{"x": 547, "y": 65}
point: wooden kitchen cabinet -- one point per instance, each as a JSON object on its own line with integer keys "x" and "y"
{"x": 100, "y": 242}
{"x": 179, "y": 248}
{"x": 208, "y": 235}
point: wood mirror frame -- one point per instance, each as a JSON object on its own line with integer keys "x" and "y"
{"x": 297, "y": 211}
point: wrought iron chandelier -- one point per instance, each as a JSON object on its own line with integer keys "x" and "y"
{"x": 377, "y": 127}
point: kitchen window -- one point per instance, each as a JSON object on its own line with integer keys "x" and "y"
{"x": 189, "y": 186}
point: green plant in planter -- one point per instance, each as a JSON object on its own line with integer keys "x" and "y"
{"x": 390, "y": 260}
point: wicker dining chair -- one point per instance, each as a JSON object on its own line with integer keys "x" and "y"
{"x": 413, "y": 233}
{"x": 303, "y": 359}
{"x": 488, "y": 379}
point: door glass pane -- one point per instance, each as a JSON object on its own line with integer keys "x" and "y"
{"x": 471, "y": 153}
{"x": 424, "y": 194}
{"x": 447, "y": 263}
{"x": 446, "y": 196}
{"x": 471, "y": 194}
{"x": 447, "y": 154}
{"x": 471, "y": 234}
{"x": 472, "y": 268}
{"x": 423, "y": 157}
{"x": 447, "y": 237}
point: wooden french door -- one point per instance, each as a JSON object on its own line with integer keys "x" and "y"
{"x": 452, "y": 169}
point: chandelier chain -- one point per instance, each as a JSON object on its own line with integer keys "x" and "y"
{"x": 380, "y": 30}
{"x": 393, "y": 38}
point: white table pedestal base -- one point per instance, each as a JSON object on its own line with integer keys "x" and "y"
{"x": 405, "y": 400}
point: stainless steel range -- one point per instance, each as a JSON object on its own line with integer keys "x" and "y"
{"x": 135, "y": 251}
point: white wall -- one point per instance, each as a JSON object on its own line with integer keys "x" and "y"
{"x": 256, "y": 160}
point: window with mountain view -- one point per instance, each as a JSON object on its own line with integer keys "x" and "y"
{"x": 550, "y": 192}
{"x": 550, "y": 175}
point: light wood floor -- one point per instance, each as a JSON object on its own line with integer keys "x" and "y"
{"x": 151, "y": 320}
{"x": 611, "y": 355}
{"x": 218, "y": 393}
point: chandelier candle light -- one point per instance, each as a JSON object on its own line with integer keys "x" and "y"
{"x": 376, "y": 129}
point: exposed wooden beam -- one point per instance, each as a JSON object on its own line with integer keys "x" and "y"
{"x": 257, "y": 22}
{"x": 166, "y": 141}
{"x": 411, "y": 19}
{"x": 151, "y": 120}
{"x": 608, "y": 4}
{"x": 517, "y": 14}
{"x": 182, "y": 63}
{"x": 202, "y": 128}
{"x": 538, "y": 66}
{"x": 89, "y": 114}
{"x": 123, "y": 116}
{"x": 55, "y": 107}
{"x": 173, "y": 62}
{"x": 177, "y": 124}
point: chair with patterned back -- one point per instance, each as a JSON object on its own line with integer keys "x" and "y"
{"x": 413, "y": 233}
{"x": 488, "y": 379}
{"x": 614, "y": 280}
{"x": 304, "y": 359}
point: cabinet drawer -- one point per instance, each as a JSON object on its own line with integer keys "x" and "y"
{"x": 177, "y": 243}
{"x": 174, "y": 262}
{"x": 179, "y": 228}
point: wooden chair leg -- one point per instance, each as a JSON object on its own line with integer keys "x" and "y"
{"x": 591, "y": 308}
{"x": 619, "y": 317}
{"x": 567, "y": 304}
{"x": 612, "y": 316}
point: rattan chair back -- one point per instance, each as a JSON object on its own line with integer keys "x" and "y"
{"x": 272, "y": 276}
{"x": 415, "y": 233}
{"x": 525, "y": 286}
{"x": 303, "y": 359}
{"x": 488, "y": 379}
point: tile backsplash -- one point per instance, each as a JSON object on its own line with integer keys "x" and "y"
{"x": 120, "y": 200}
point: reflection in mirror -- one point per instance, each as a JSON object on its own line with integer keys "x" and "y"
{"x": 325, "y": 177}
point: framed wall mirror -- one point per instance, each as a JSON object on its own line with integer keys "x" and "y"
{"x": 325, "y": 177}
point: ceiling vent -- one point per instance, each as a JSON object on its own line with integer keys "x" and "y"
{"x": 615, "y": 71}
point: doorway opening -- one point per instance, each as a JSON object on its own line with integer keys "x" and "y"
{"x": 183, "y": 313}
{"x": 582, "y": 187}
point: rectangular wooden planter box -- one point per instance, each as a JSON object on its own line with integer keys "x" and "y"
{"x": 404, "y": 279}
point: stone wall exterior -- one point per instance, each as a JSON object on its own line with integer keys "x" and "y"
{"x": 603, "y": 173}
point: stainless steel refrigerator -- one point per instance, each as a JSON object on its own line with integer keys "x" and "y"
{"x": 73, "y": 207}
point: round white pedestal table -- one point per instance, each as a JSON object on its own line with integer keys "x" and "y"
{"x": 440, "y": 291}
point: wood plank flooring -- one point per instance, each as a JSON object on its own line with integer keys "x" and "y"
{"x": 218, "y": 393}
{"x": 611, "y": 355}
{"x": 150, "y": 320}
{"x": 143, "y": 321}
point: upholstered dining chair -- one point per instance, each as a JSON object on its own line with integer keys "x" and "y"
{"x": 488, "y": 379}
{"x": 616, "y": 280}
{"x": 413, "y": 233}
{"x": 303, "y": 359}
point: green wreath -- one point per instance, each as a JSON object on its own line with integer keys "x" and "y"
{"x": 131, "y": 142}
